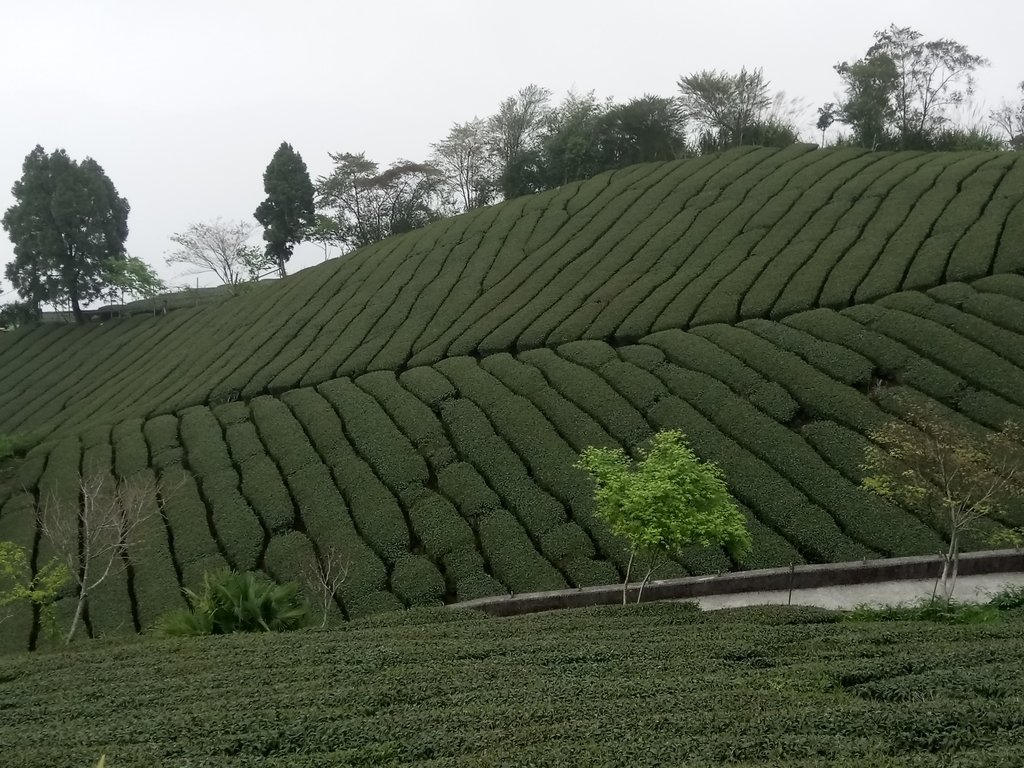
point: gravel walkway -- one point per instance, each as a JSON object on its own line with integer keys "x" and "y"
{"x": 975, "y": 589}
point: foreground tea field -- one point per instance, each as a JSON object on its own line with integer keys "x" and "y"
{"x": 419, "y": 404}
{"x": 658, "y": 685}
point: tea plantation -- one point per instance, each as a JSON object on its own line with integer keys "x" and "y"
{"x": 419, "y": 404}
{"x": 649, "y": 686}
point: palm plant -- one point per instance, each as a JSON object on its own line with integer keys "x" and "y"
{"x": 238, "y": 602}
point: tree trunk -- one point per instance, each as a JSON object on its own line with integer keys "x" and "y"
{"x": 625, "y": 584}
{"x": 76, "y": 308}
{"x": 954, "y": 547}
{"x": 82, "y": 592}
{"x": 280, "y": 266}
{"x": 78, "y": 615}
{"x": 949, "y": 566}
{"x": 647, "y": 578}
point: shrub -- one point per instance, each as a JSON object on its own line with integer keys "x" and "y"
{"x": 933, "y": 609}
{"x": 6, "y": 447}
{"x": 417, "y": 582}
{"x": 1009, "y": 598}
{"x": 238, "y": 602}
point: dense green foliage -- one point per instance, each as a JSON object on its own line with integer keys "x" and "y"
{"x": 946, "y": 470}
{"x": 68, "y": 226}
{"x": 417, "y": 407}
{"x": 287, "y": 213}
{"x": 237, "y": 602}
{"x": 754, "y": 687}
{"x": 19, "y": 585}
{"x": 666, "y": 501}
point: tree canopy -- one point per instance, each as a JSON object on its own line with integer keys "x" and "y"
{"x": 933, "y": 465}
{"x": 899, "y": 95}
{"x": 367, "y": 204}
{"x": 667, "y": 500}
{"x": 221, "y": 247}
{"x": 288, "y": 212}
{"x": 68, "y": 226}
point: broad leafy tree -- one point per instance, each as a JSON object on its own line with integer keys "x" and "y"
{"x": 940, "y": 469}
{"x": 664, "y": 502}
{"x": 288, "y": 212}
{"x": 573, "y": 145}
{"x": 585, "y": 137}
{"x": 645, "y": 130}
{"x": 68, "y": 226}
{"x": 15, "y": 314}
{"x": 368, "y": 205}
{"x": 902, "y": 91}
{"x": 132, "y": 278}
{"x": 867, "y": 104}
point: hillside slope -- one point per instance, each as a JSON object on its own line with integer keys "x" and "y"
{"x": 753, "y": 233}
{"x": 419, "y": 404}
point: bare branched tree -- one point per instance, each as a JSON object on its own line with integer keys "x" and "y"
{"x": 1009, "y": 118}
{"x": 464, "y": 159}
{"x": 220, "y": 247}
{"x": 325, "y": 575}
{"x": 93, "y": 534}
{"x": 940, "y": 469}
{"x": 931, "y": 76}
{"x": 518, "y": 123}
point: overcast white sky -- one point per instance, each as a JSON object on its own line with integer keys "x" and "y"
{"x": 183, "y": 103}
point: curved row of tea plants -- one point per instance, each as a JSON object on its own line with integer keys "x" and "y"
{"x": 773, "y": 686}
{"x": 751, "y": 233}
{"x": 455, "y": 480}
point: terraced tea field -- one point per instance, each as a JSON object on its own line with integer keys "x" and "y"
{"x": 419, "y": 404}
{"x": 649, "y": 686}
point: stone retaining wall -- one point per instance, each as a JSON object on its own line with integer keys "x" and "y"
{"x": 769, "y": 579}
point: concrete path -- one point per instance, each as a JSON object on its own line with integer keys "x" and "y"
{"x": 975, "y": 589}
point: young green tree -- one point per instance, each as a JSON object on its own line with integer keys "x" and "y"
{"x": 68, "y": 226}
{"x": 324, "y": 575}
{"x": 288, "y": 212}
{"x": 666, "y": 501}
{"x": 327, "y": 233}
{"x": 939, "y": 469}
{"x": 131, "y": 278}
{"x": 18, "y": 585}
